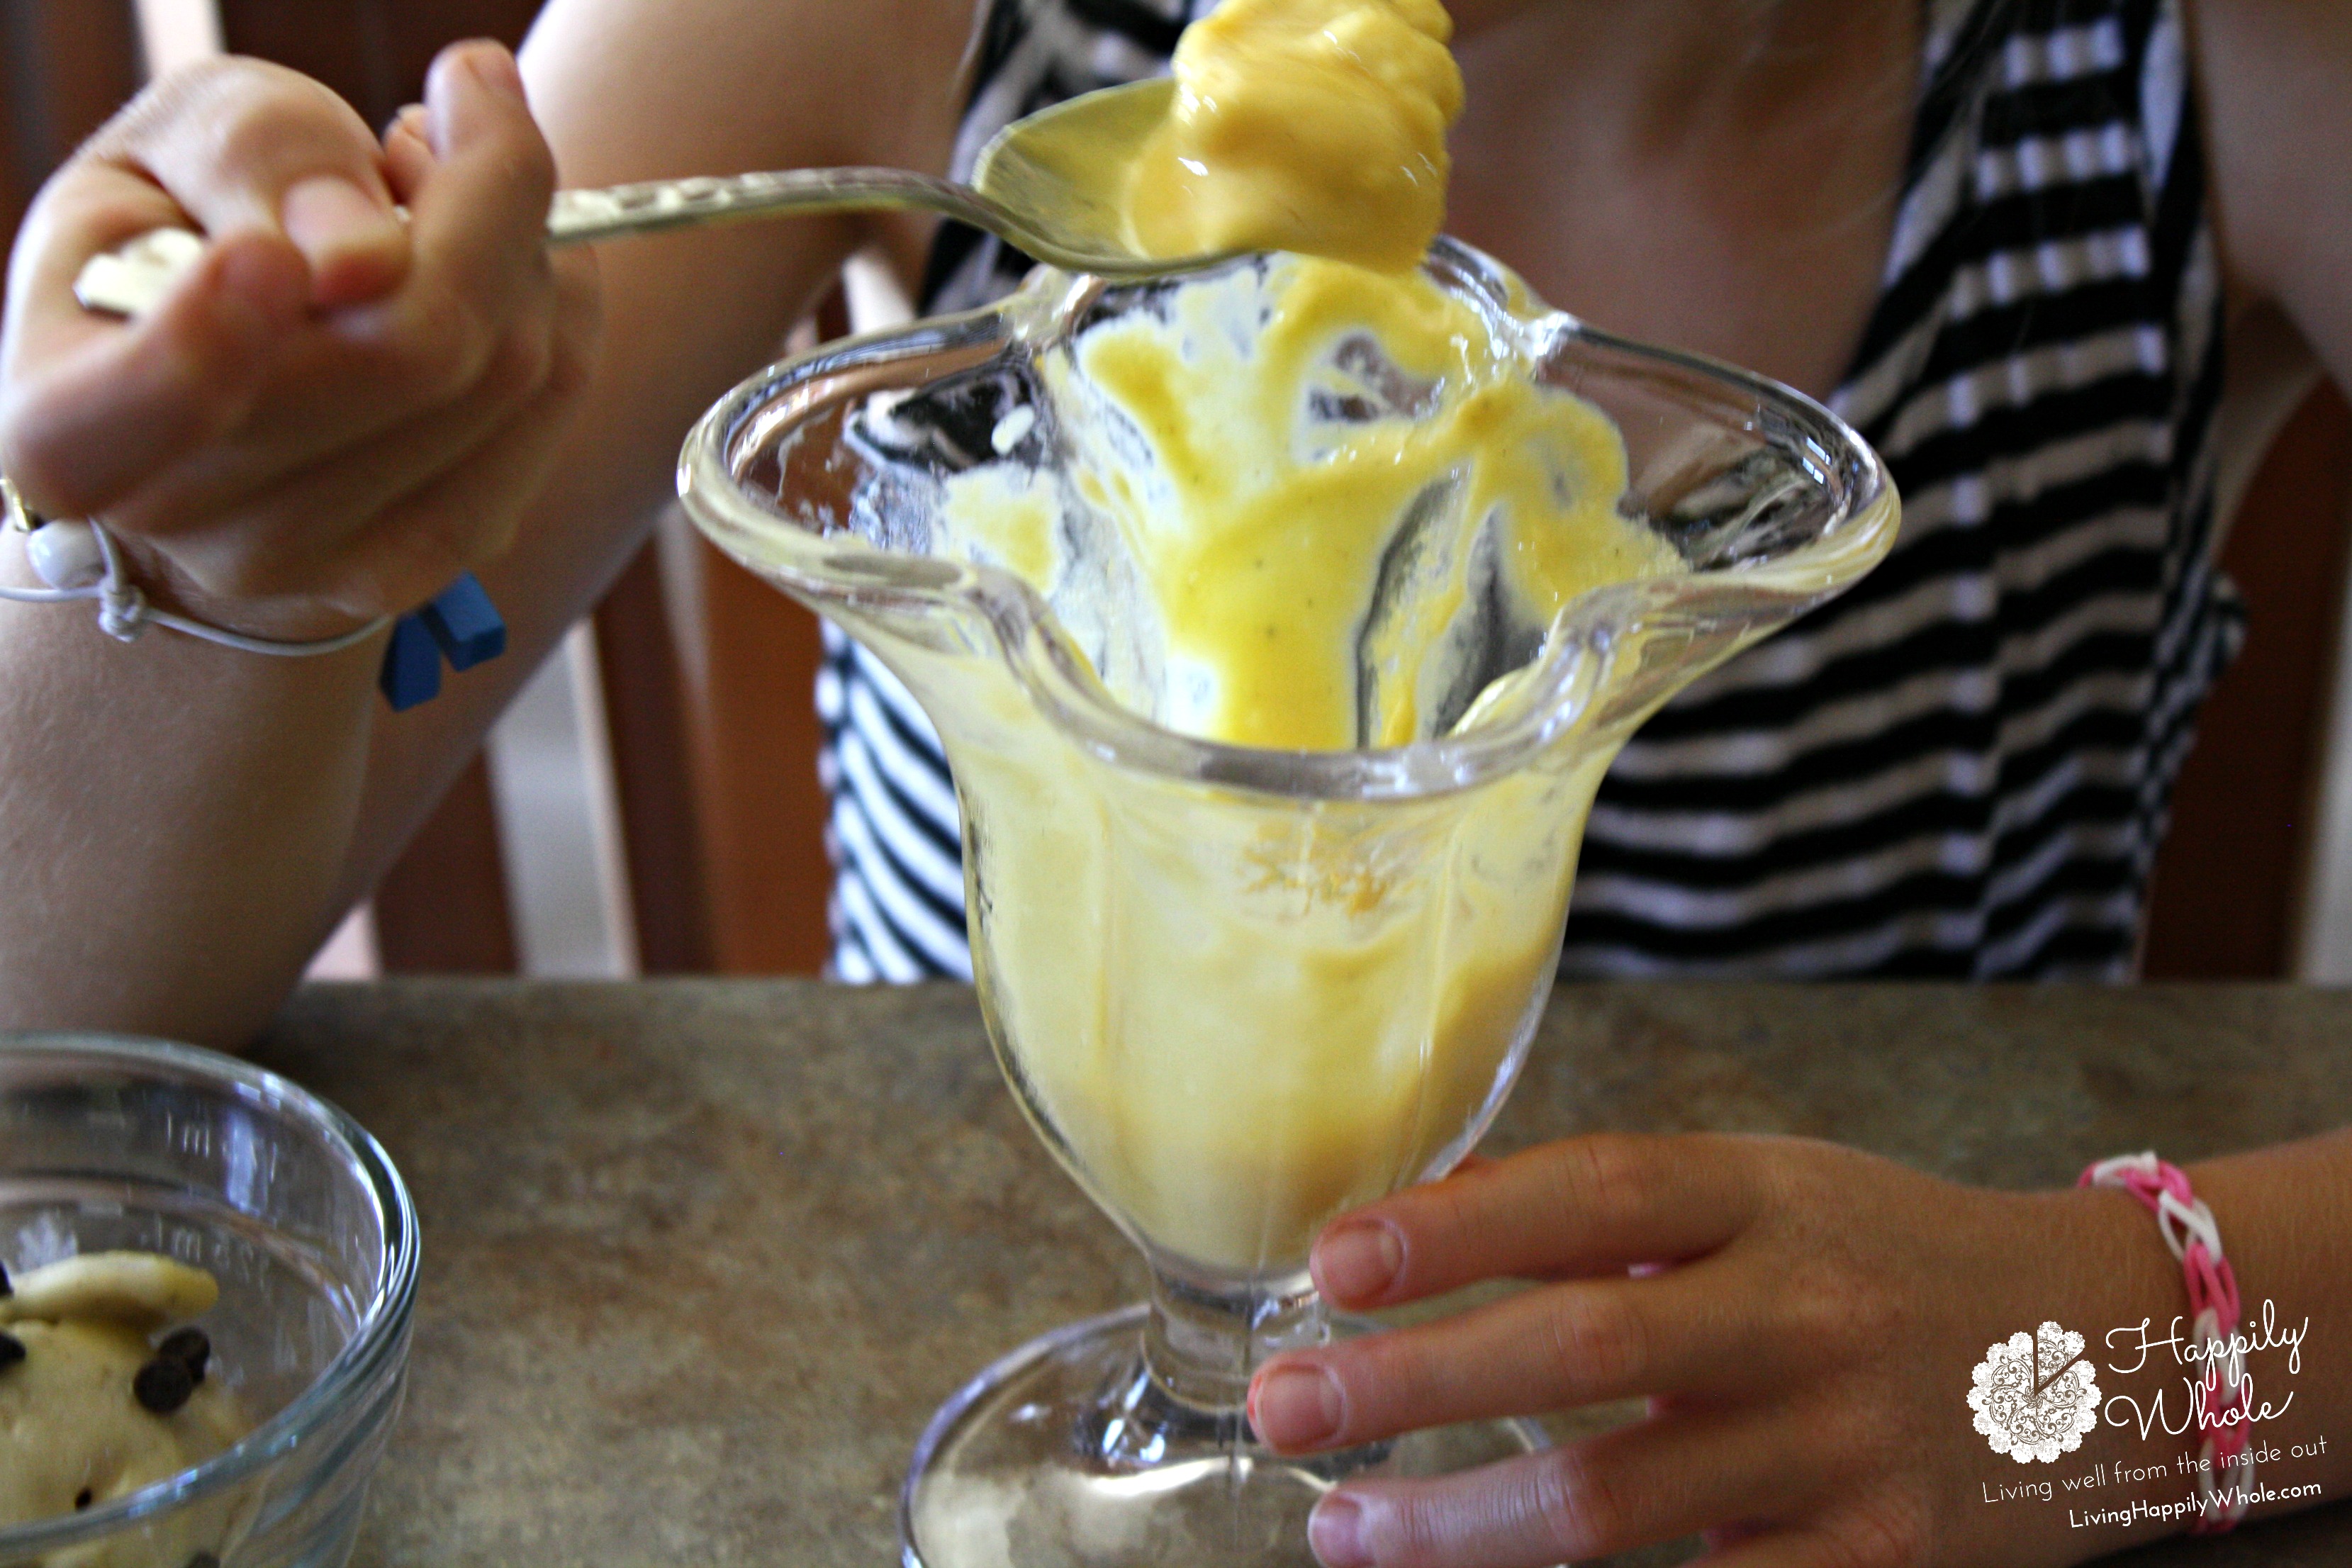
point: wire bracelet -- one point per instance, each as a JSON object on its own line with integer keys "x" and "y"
{"x": 81, "y": 563}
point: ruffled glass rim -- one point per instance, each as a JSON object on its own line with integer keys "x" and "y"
{"x": 1859, "y": 517}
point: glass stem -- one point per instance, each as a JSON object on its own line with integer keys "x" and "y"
{"x": 1204, "y": 1343}
{"x": 1185, "y": 1397}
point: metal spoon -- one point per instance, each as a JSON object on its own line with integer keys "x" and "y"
{"x": 1051, "y": 183}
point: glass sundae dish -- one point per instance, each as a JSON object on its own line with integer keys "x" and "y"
{"x": 1239, "y": 988}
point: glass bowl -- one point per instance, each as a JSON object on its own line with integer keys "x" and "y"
{"x": 126, "y": 1145}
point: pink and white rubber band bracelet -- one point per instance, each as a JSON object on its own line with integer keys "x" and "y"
{"x": 2225, "y": 1394}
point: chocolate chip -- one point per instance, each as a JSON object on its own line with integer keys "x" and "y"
{"x": 190, "y": 1348}
{"x": 12, "y": 1351}
{"x": 83, "y": 1499}
{"x": 163, "y": 1386}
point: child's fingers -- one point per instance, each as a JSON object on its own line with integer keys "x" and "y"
{"x": 243, "y": 147}
{"x": 1696, "y": 1331}
{"x": 408, "y": 157}
{"x": 1652, "y": 1481}
{"x": 471, "y": 331}
{"x": 479, "y": 219}
{"x": 285, "y": 182}
{"x": 1584, "y": 1206}
{"x": 323, "y": 504}
{"x": 91, "y": 409}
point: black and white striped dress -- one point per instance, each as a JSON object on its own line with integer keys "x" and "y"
{"x": 1963, "y": 767}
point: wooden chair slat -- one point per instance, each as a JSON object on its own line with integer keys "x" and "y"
{"x": 65, "y": 66}
{"x": 442, "y": 909}
{"x": 661, "y": 828}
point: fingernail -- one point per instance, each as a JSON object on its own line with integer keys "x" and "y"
{"x": 327, "y": 216}
{"x": 1359, "y": 1262}
{"x": 1297, "y": 1406}
{"x": 1336, "y": 1531}
{"x": 496, "y": 69}
{"x": 412, "y": 119}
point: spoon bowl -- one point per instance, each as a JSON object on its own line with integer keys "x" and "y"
{"x": 1071, "y": 163}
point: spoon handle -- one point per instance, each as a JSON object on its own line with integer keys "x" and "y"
{"x": 581, "y": 216}
{"x": 131, "y": 279}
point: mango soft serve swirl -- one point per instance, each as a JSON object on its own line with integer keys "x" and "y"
{"x": 1239, "y": 1017}
{"x": 1259, "y": 532}
{"x": 1295, "y": 503}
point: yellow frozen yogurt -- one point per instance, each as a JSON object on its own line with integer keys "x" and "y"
{"x": 1315, "y": 126}
{"x": 1241, "y": 1017}
{"x": 1300, "y": 501}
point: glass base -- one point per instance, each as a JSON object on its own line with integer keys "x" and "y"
{"x": 1068, "y": 1454}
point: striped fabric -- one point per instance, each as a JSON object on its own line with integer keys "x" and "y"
{"x": 1961, "y": 769}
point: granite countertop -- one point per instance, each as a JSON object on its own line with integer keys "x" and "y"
{"x": 701, "y": 1258}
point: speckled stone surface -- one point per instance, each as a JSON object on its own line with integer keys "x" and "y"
{"x": 702, "y": 1257}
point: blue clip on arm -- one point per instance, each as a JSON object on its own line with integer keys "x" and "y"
{"x": 460, "y": 625}
{"x": 465, "y": 624}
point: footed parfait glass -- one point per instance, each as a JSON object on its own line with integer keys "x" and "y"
{"x": 1238, "y": 991}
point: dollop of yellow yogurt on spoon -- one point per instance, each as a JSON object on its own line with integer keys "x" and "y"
{"x": 1314, "y": 126}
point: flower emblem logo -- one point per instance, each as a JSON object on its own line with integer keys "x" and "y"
{"x": 2035, "y": 1395}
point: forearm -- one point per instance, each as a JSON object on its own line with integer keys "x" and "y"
{"x": 2285, "y": 1218}
{"x": 171, "y": 815}
{"x": 182, "y": 823}
{"x": 292, "y": 442}
{"x": 623, "y": 92}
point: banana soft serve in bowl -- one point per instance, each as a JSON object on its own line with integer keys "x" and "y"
{"x": 206, "y": 1328}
